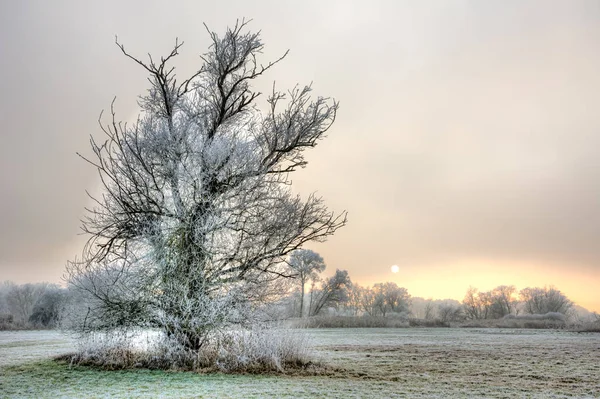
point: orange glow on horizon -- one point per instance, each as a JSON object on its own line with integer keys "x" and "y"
{"x": 451, "y": 281}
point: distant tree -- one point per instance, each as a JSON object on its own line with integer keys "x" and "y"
{"x": 197, "y": 216}
{"x": 332, "y": 292}
{"x": 391, "y": 298}
{"x": 422, "y": 308}
{"x": 354, "y": 298}
{"x": 486, "y": 301}
{"x": 48, "y": 308}
{"x": 503, "y": 301}
{"x": 544, "y": 300}
{"x": 21, "y": 300}
{"x": 493, "y": 304}
{"x": 368, "y": 300}
{"x": 429, "y": 310}
{"x": 305, "y": 265}
{"x": 6, "y": 318}
{"x": 473, "y": 307}
{"x": 5, "y": 287}
{"x": 449, "y": 312}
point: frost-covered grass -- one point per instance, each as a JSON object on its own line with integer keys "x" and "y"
{"x": 257, "y": 350}
{"x": 374, "y": 363}
{"x": 17, "y": 347}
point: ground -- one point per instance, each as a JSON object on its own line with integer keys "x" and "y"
{"x": 373, "y": 363}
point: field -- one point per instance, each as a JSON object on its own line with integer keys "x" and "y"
{"x": 374, "y": 363}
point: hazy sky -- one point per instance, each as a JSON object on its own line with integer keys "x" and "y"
{"x": 465, "y": 149}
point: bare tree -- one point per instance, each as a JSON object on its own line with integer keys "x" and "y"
{"x": 472, "y": 304}
{"x": 5, "y": 287}
{"x": 493, "y": 304}
{"x": 21, "y": 300}
{"x": 332, "y": 292}
{"x": 354, "y": 298}
{"x": 391, "y": 298}
{"x": 545, "y": 300}
{"x": 449, "y": 312}
{"x": 429, "y": 310}
{"x": 305, "y": 265}
{"x": 503, "y": 301}
{"x": 48, "y": 309}
{"x": 368, "y": 301}
{"x": 197, "y": 215}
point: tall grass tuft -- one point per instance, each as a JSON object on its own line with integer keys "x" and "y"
{"x": 254, "y": 350}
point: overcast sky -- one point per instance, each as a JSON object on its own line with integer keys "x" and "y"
{"x": 465, "y": 149}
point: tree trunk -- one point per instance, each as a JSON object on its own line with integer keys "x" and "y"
{"x": 302, "y": 301}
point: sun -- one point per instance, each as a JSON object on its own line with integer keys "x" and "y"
{"x": 395, "y": 269}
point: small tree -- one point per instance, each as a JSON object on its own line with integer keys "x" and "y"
{"x": 353, "y": 303}
{"x": 197, "y": 216}
{"x": 5, "y": 287}
{"x": 368, "y": 300}
{"x": 449, "y": 312}
{"x": 48, "y": 309}
{"x": 391, "y": 298}
{"x": 493, "y": 304}
{"x": 332, "y": 292}
{"x": 545, "y": 300}
{"x": 429, "y": 313}
{"x": 473, "y": 308}
{"x": 21, "y": 300}
{"x": 503, "y": 301}
{"x": 305, "y": 265}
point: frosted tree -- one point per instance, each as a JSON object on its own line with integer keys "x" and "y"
{"x": 21, "y": 300}
{"x": 196, "y": 217}
{"x": 473, "y": 307}
{"x": 332, "y": 292}
{"x": 544, "y": 300}
{"x": 390, "y": 297}
{"x": 305, "y": 266}
{"x": 504, "y": 301}
{"x": 493, "y": 304}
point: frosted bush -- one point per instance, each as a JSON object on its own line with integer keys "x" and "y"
{"x": 255, "y": 349}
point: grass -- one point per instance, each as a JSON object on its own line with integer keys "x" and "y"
{"x": 48, "y": 379}
{"x": 525, "y": 322}
{"x": 350, "y": 322}
{"x": 513, "y": 323}
{"x": 375, "y": 363}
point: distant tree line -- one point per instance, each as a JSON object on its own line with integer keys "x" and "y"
{"x": 38, "y": 305}
{"x": 312, "y": 295}
{"x": 308, "y": 294}
{"x": 504, "y": 300}
{"x": 337, "y": 293}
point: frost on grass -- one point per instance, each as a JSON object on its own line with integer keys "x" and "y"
{"x": 253, "y": 350}
{"x": 22, "y": 346}
{"x": 363, "y": 363}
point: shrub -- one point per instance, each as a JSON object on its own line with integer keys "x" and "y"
{"x": 6, "y": 318}
{"x": 428, "y": 323}
{"x": 554, "y": 316}
{"x": 593, "y": 327}
{"x": 256, "y": 349}
{"x": 526, "y": 321}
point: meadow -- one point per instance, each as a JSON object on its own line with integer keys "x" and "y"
{"x": 374, "y": 363}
